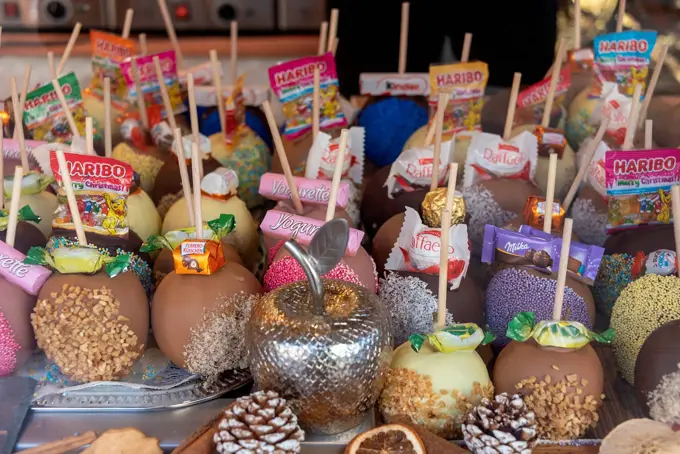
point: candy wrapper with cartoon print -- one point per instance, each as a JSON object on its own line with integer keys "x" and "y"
{"x": 151, "y": 88}
{"x": 639, "y": 187}
{"x": 45, "y": 118}
{"x": 532, "y": 248}
{"x": 596, "y": 176}
{"x": 293, "y": 83}
{"x": 101, "y": 187}
{"x": 235, "y": 113}
{"x": 461, "y": 337}
{"x": 413, "y": 169}
{"x": 531, "y": 101}
{"x": 324, "y": 153}
{"x": 490, "y": 157}
{"x": 203, "y": 257}
{"x": 417, "y": 249}
{"x": 466, "y": 82}
{"x": 108, "y": 52}
{"x": 555, "y": 333}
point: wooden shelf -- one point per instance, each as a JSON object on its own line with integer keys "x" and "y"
{"x": 38, "y": 44}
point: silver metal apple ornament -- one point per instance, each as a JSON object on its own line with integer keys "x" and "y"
{"x": 325, "y": 345}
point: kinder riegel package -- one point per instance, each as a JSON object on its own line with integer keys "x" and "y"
{"x": 413, "y": 169}
{"x": 235, "y": 114}
{"x": 149, "y": 82}
{"x": 293, "y": 83}
{"x": 490, "y": 157}
{"x": 639, "y": 187}
{"x": 417, "y": 249}
{"x": 108, "y": 52}
{"x": 466, "y": 82}
{"x": 44, "y": 116}
{"x": 324, "y": 153}
{"x": 621, "y": 62}
{"x": 531, "y": 102}
{"x": 101, "y": 186}
{"x": 394, "y": 84}
{"x": 596, "y": 175}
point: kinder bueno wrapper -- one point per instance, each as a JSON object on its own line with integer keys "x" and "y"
{"x": 490, "y": 157}
{"x": 223, "y": 183}
{"x": 413, "y": 169}
{"x": 275, "y": 187}
{"x": 418, "y": 249}
{"x": 287, "y": 226}
{"x": 324, "y": 153}
{"x": 533, "y": 248}
{"x": 596, "y": 176}
{"x": 13, "y": 269}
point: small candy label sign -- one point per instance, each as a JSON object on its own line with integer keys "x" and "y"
{"x": 192, "y": 247}
{"x": 377, "y": 84}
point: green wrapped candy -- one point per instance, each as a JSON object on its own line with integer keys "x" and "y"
{"x": 25, "y": 214}
{"x": 454, "y": 338}
{"x": 78, "y": 260}
{"x": 554, "y": 333}
{"x": 32, "y": 183}
{"x": 216, "y": 230}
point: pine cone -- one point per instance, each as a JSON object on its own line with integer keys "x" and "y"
{"x": 500, "y": 426}
{"x": 261, "y": 423}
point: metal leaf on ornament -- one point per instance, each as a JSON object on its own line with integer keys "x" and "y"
{"x": 328, "y": 245}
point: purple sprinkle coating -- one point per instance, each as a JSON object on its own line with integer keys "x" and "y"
{"x": 513, "y": 290}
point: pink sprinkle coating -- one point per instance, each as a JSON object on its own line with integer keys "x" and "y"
{"x": 288, "y": 270}
{"x": 275, "y": 249}
{"x": 8, "y": 347}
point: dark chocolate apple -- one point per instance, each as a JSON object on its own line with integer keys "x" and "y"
{"x": 27, "y": 236}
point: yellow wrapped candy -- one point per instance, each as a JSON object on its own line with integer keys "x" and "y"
{"x": 554, "y": 333}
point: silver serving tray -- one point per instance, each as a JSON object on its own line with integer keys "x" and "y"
{"x": 120, "y": 398}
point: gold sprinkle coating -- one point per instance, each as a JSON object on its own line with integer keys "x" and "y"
{"x": 433, "y": 204}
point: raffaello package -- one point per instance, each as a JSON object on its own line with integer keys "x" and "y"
{"x": 490, "y": 157}
{"x": 293, "y": 83}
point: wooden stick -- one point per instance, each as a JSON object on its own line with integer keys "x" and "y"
{"x": 323, "y": 34}
{"x": 65, "y": 445}
{"x": 653, "y": 81}
{"x": 281, "y": 153}
{"x": 467, "y": 44}
{"x": 316, "y": 107}
{"x": 89, "y": 136}
{"x": 143, "y": 46}
{"x": 403, "y": 37}
{"x": 334, "y": 46}
{"x": 337, "y": 175}
{"x": 69, "y": 47}
{"x": 108, "y": 139}
{"x": 429, "y": 137}
{"x": 167, "y": 105}
{"x": 442, "y": 101}
{"x": 170, "y": 29}
{"x": 19, "y": 125}
{"x": 451, "y": 188}
{"x": 24, "y": 93}
{"x": 512, "y": 105}
{"x": 217, "y": 76}
{"x": 2, "y": 169}
{"x": 64, "y": 105}
{"x": 196, "y": 176}
{"x": 234, "y": 51}
{"x": 141, "y": 104}
{"x": 50, "y": 65}
{"x": 675, "y": 201}
{"x": 648, "y": 134}
{"x": 550, "y": 193}
{"x": 562, "y": 271}
{"x": 555, "y": 77}
{"x": 588, "y": 153}
{"x": 127, "y": 24}
{"x": 577, "y": 24}
{"x": 184, "y": 175}
{"x": 631, "y": 124}
{"x": 443, "y": 269}
{"x": 193, "y": 114}
{"x": 71, "y": 197}
{"x": 619, "y": 16}
{"x": 14, "y": 206}
{"x": 333, "y": 30}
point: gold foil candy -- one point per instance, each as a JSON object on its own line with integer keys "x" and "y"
{"x": 435, "y": 201}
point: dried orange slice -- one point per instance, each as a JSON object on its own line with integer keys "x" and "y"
{"x": 387, "y": 439}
